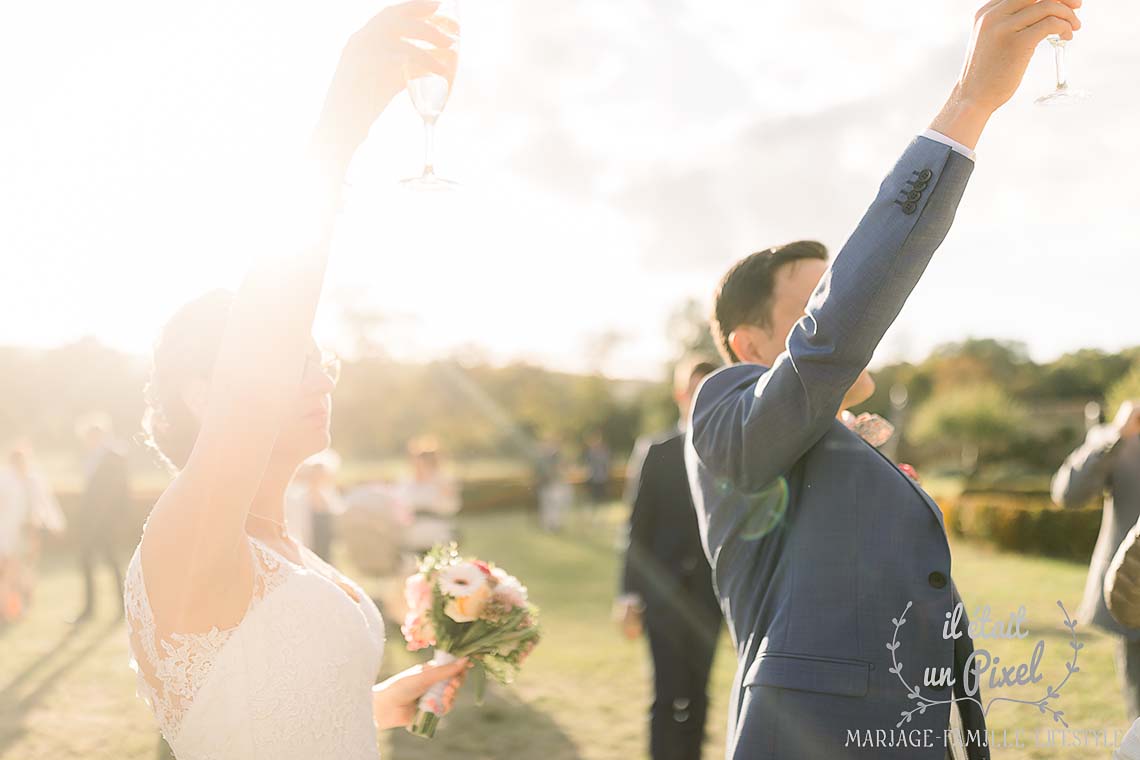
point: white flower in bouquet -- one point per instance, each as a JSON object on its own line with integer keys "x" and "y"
{"x": 461, "y": 579}
{"x": 467, "y": 585}
{"x": 509, "y": 588}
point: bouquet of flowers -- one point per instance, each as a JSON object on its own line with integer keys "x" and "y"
{"x": 467, "y": 608}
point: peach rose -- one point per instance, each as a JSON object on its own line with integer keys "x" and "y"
{"x": 464, "y": 609}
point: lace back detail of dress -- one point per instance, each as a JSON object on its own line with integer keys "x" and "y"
{"x": 170, "y": 666}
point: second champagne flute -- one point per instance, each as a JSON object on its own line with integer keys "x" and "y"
{"x": 1062, "y": 93}
{"x": 429, "y": 93}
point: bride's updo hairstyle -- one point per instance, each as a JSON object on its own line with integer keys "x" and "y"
{"x": 185, "y": 351}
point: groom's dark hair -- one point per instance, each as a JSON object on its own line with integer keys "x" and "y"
{"x": 744, "y": 295}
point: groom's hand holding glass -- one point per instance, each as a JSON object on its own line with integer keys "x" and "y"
{"x": 1006, "y": 34}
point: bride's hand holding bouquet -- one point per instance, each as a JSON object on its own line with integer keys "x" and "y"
{"x": 395, "y": 701}
{"x": 467, "y": 609}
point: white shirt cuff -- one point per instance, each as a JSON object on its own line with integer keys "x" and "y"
{"x": 954, "y": 145}
{"x": 631, "y": 600}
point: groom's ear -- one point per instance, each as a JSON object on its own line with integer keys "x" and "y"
{"x": 740, "y": 340}
{"x": 753, "y": 344}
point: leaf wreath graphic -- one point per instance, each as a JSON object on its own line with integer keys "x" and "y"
{"x": 923, "y": 703}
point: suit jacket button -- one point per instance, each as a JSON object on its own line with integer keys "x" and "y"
{"x": 913, "y": 195}
{"x": 925, "y": 175}
{"x": 937, "y": 580}
{"x": 920, "y": 186}
{"x": 910, "y": 207}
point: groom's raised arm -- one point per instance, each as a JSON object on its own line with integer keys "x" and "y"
{"x": 753, "y": 434}
{"x": 750, "y": 426}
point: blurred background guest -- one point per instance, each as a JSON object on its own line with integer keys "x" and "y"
{"x": 325, "y": 501}
{"x": 13, "y": 514}
{"x": 102, "y": 507}
{"x": 666, "y": 584}
{"x": 597, "y": 459}
{"x": 1109, "y": 459}
{"x": 313, "y": 502}
{"x": 24, "y": 492}
{"x": 372, "y": 530}
{"x": 553, "y": 490}
{"x": 430, "y": 497}
{"x": 1129, "y": 748}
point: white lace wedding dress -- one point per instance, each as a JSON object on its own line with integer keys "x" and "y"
{"x": 291, "y": 681}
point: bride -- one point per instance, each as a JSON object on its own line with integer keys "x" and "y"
{"x": 246, "y": 644}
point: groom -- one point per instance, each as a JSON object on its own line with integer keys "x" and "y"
{"x": 817, "y": 542}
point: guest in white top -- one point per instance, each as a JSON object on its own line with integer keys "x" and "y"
{"x": 431, "y": 498}
{"x": 13, "y": 515}
{"x": 28, "y": 509}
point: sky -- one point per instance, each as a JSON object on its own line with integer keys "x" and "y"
{"x": 614, "y": 160}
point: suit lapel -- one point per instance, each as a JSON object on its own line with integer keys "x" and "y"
{"x": 910, "y": 481}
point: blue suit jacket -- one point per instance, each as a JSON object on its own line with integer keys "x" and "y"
{"x": 816, "y": 540}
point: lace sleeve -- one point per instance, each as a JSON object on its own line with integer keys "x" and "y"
{"x": 171, "y": 666}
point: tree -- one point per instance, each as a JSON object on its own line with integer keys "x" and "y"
{"x": 1127, "y": 387}
{"x": 1087, "y": 373}
{"x": 688, "y": 330}
{"x": 980, "y": 420}
{"x": 981, "y": 360}
{"x": 600, "y": 348}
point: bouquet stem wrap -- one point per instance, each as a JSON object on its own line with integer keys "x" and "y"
{"x": 430, "y": 706}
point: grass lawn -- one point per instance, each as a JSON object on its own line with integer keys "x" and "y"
{"x": 69, "y": 694}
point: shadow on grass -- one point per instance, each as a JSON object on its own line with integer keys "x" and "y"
{"x": 602, "y": 530}
{"x": 502, "y": 727}
{"x": 13, "y": 708}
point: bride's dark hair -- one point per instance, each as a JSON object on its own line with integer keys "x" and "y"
{"x": 186, "y": 350}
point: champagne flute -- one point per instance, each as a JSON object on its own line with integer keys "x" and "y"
{"x": 429, "y": 93}
{"x": 1062, "y": 94}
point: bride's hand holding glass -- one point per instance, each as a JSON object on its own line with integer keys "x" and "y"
{"x": 374, "y": 67}
{"x": 429, "y": 92}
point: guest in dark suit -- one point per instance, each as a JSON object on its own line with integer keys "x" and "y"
{"x": 106, "y": 495}
{"x": 667, "y": 583}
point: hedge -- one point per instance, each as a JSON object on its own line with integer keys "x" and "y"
{"x": 1024, "y": 522}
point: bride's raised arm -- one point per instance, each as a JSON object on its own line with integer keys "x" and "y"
{"x": 261, "y": 359}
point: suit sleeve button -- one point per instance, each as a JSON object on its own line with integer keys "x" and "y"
{"x": 925, "y": 175}
{"x": 913, "y": 195}
{"x": 910, "y": 207}
{"x": 937, "y": 580}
